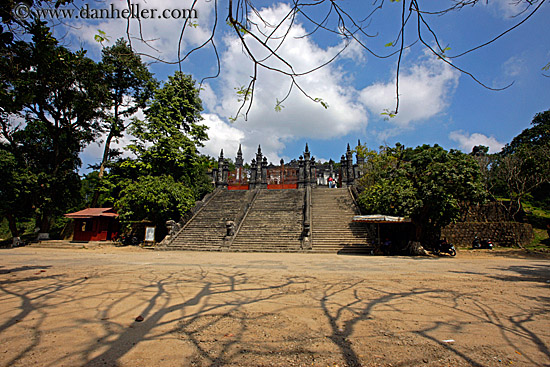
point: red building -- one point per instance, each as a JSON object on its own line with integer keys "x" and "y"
{"x": 94, "y": 224}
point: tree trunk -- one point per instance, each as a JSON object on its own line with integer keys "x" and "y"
{"x": 102, "y": 167}
{"x": 12, "y": 225}
{"x": 45, "y": 223}
{"x": 105, "y": 156}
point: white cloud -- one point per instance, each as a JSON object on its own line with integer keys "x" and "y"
{"x": 468, "y": 141}
{"x": 514, "y": 66}
{"x": 221, "y": 136}
{"x": 162, "y": 35}
{"x": 424, "y": 91}
{"x": 300, "y": 117}
{"x": 506, "y": 8}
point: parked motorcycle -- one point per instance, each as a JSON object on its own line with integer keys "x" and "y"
{"x": 127, "y": 240}
{"x": 444, "y": 247}
{"x": 479, "y": 243}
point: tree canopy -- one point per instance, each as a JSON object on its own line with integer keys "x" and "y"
{"x": 522, "y": 168}
{"x": 427, "y": 183}
{"x": 165, "y": 153}
{"x": 51, "y": 107}
{"x": 130, "y": 85}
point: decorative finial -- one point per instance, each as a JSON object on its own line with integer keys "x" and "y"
{"x": 240, "y": 151}
{"x": 307, "y": 149}
{"x": 259, "y": 148}
{"x": 221, "y": 154}
{"x": 349, "y": 148}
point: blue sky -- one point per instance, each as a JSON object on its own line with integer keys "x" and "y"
{"x": 437, "y": 103}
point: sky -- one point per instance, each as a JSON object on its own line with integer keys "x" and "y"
{"x": 438, "y": 103}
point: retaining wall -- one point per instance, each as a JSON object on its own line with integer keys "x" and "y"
{"x": 501, "y": 233}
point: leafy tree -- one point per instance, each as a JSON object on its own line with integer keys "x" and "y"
{"x": 165, "y": 146}
{"x": 538, "y": 135}
{"x": 51, "y": 105}
{"x": 167, "y": 141}
{"x": 154, "y": 198}
{"x": 427, "y": 184}
{"x": 523, "y": 166}
{"x": 130, "y": 85}
{"x": 16, "y": 190}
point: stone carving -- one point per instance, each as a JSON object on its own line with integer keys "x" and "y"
{"x": 230, "y": 228}
{"x": 172, "y": 227}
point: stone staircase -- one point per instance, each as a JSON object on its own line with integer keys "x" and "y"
{"x": 332, "y": 229}
{"x": 273, "y": 223}
{"x": 206, "y": 230}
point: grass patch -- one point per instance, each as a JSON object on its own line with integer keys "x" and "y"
{"x": 540, "y": 240}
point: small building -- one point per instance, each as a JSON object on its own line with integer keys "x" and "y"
{"x": 95, "y": 224}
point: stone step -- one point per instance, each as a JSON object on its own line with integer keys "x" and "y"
{"x": 65, "y": 244}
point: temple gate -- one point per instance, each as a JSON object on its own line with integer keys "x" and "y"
{"x": 299, "y": 174}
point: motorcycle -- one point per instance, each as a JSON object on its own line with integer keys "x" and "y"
{"x": 444, "y": 247}
{"x": 125, "y": 240}
{"x": 478, "y": 243}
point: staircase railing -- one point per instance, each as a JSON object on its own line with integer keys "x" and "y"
{"x": 353, "y": 193}
{"x": 306, "y": 233}
{"x": 194, "y": 212}
{"x": 229, "y": 240}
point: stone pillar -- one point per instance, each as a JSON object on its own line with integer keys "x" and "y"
{"x": 349, "y": 166}
{"x": 239, "y": 165}
{"x": 239, "y": 160}
{"x": 343, "y": 171}
{"x": 307, "y": 167}
{"x": 253, "y": 171}
{"x": 301, "y": 173}
{"x": 313, "y": 172}
{"x": 225, "y": 172}
{"x": 259, "y": 159}
{"x": 282, "y": 171}
{"x": 264, "y": 173}
{"x": 219, "y": 172}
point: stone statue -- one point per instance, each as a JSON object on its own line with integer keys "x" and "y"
{"x": 172, "y": 227}
{"x": 230, "y": 227}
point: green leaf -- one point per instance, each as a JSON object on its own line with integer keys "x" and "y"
{"x": 101, "y": 36}
{"x": 389, "y": 114}
{"x": 279, "y": 106}
{"x": 323, "y": 103}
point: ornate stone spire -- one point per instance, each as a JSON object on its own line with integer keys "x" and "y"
{"x": 307, "y": 154}
{"x": 239, "y": 160}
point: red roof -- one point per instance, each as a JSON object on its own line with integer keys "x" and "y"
{"x": 93, "y": 212}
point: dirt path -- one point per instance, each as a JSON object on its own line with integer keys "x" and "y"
{"x": 79, "y": 308}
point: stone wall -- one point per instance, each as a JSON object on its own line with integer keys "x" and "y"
{"x": 490, "y": 212}
{"x": 501, "y": 233}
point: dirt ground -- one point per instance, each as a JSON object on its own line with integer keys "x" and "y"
{"x": 82, "y": 307}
